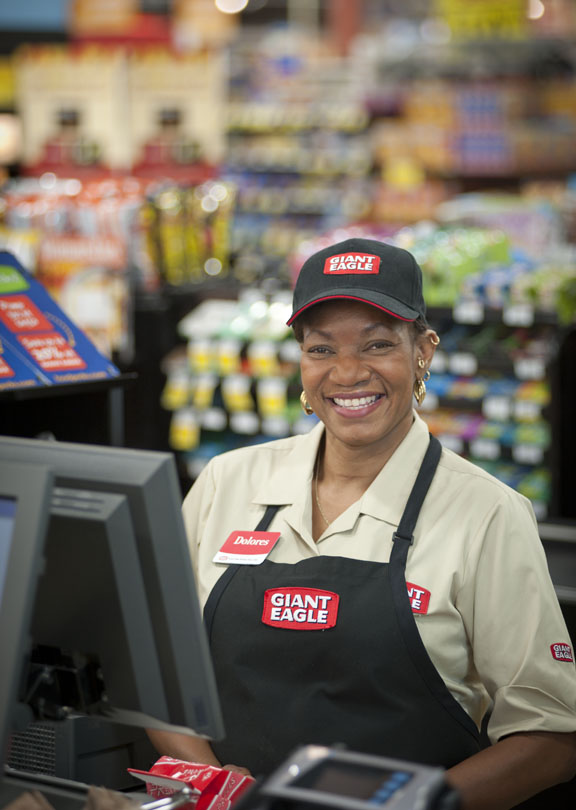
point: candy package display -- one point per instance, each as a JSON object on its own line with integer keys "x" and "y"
{"x": 213, "y": 788}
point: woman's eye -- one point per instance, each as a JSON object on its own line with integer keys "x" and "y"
{"x": 380, "y": 344}
{"x": 318, "y": 350}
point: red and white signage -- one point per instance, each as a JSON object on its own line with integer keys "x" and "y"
{"x": 296, "y": 608}
{"x": 246, "y": 548}
{"x": 20, "y": 314}
{"x": 5, "y": 370}
{"x": 562, "y": 652}
{"x": 419, "y": 598}
{"x": 52, "y": 352}
{"x": 352, "y": 264}
{"x": 86, "y": 251}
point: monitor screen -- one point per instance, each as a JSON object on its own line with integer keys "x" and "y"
{"x": 7, "y": 519}
{"x": 149, "y": 483}
{"x": 24, "y": 503}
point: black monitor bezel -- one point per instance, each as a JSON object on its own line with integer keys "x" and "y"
{"x": 31, "y": 487}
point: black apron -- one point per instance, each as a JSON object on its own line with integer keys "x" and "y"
{"x": 367, "y": 682}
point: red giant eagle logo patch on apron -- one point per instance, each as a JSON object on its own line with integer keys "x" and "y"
{"x": 295, "y": 608}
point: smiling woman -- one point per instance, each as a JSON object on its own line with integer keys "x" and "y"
{"x": 399, "y": 557}
{"x": 358, "y": 366}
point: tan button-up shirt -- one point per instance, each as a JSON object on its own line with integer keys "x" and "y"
{"x": 492, "y": 619}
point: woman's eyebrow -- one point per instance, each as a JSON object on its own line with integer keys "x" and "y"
{"x": 365, "y": 330}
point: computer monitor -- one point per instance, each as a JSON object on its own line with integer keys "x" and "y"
{"x": 93, "y": 641}
{"x": 24, "y": 504}
{"x": 149, "y": 483}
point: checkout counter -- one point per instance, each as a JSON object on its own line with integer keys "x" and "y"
{"x": 313, "y": 778}
{"x": 320, "y": 778}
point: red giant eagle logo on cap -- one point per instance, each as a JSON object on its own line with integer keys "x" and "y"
{"x": 352, "y": 264}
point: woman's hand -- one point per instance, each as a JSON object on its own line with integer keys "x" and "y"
{"x": 237, "y": 769}
{"x": 182, "y": 746}
{"x": 190, "y": 749}
{"x": 29, "y": 800}
{"x": 97, "y": 798}
{"x": 100, "y": 798}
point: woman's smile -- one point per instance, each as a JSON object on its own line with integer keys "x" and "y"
{"x": 355, "y": 405}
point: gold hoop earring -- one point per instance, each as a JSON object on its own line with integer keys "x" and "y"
{"x": 434, "y": 340}
{"x": 419, "y": 391}
{"x": 305, "y": 405}
{"x": 420, "y": 385}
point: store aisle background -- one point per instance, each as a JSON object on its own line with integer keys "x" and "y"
{"x": 167, "y": 167}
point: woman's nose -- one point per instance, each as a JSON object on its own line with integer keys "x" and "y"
{"x": 348, "y": 369}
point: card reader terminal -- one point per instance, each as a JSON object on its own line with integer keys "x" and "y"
{"x": 317, "y": 777}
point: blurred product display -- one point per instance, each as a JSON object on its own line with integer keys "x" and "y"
{"x": 169, "y": 208}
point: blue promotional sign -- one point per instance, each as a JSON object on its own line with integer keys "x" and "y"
{"x": 39, "y": 344}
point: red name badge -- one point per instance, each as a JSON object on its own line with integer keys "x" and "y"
{"x": 246, "y": 548}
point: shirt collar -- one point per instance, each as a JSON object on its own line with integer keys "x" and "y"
{"x": 293, "y": 477}
{"x": 384, "y": 499}
{"x": 387, "y": 495}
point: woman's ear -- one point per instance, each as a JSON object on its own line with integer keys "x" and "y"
{"x": 427, "y": 343}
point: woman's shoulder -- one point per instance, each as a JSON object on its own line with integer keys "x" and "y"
{"x": 265, "y": 454}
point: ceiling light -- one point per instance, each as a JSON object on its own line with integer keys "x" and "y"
{"x": 231, "y": 6}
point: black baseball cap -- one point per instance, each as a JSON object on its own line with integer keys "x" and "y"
{"x": 376, "y": 273}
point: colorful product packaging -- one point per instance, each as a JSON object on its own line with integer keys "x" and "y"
{"x": 213, "y": 788}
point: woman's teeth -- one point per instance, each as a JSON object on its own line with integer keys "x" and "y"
{"x": 360, "y": 402}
